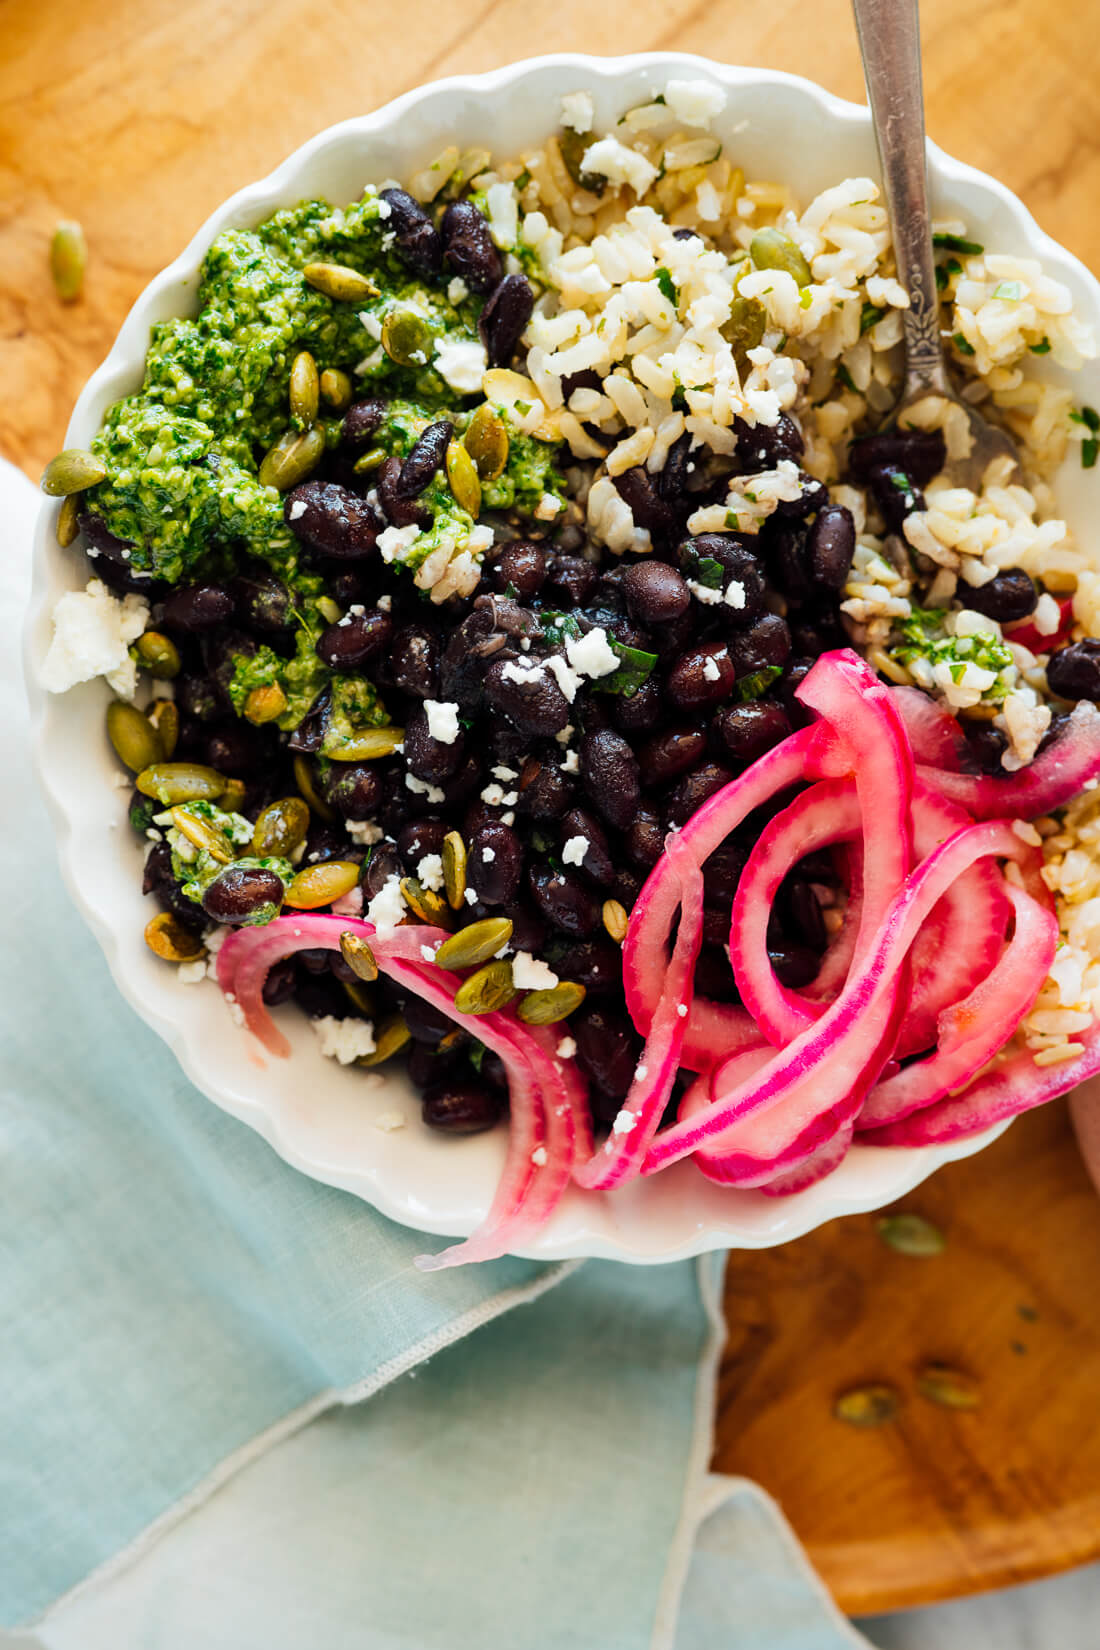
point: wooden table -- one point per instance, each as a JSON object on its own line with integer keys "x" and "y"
{"x": 138, "y": 117}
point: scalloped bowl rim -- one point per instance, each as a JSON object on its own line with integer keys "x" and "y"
{"x": 675, "y": 1215}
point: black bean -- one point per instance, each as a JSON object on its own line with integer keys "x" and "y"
{"x": 788, "y": 562}
{"x": 814, "y": 496}
{"x": 564, "y": 900}
{"x": 349, "y": 643}
{"x": 748, "y": 730}
{"x": 425, "y": 457}
{"x": 309, "y": 735}
{"x": 279, "y": 985}
{"x": 609, "y": 773}
{"x": 597, "y": 862}
{"x": 722, "y": 872}
{"x": 496, "y": 877}
{"x": 315, "y": 960}
{"x": 985, "y": 745}
{"x": 320, "y": 996}
{"x": 716, "y": 925}
{"x": 401, "y": 512}
{"x": 815, "y": 630}
{"x": 506, "y": 313}
{"x": 796, "y": 965}
{"x": 714, "y": 976}
{"x": 767, "y": 642}
{"x": 468, "y": 247}
{"x": 198, "y": 607}
{"x": 762, "y": 446}
{"x": 804, "y": 914}
{"x": 324, "y": 841}
{"x": 262, "y": 603}
{"x": 354, "y": 789}
{"x": 570, "y": 580}
{"x": 607, "y": 1050}
{"x": 896, "y": 494}
{"x": 420, "y": 837}
{"x": 528, "y": 928}
{"x": 1007, "y": 597}
{"x": 922, "y": 454}
{"x": 521, "y": 567}
{"x": 196, "y": 698}
{"x": 414, "y": 661}
{"x": 159, "y": 881}
{"x": 429, "y": 758}
{"x": 596, "y": 964}
{"x": 655, "y": 592}
{"x": 240, "y": 893}
{"x": 426, "y": 1024}
{"x": 672, "y": 481}
{"x": 794, "y": 674}
{"x": 381, "y": 866}
{"x": 693, "y": 790}
{"x": 649, "y": 509}
{"x": 830, "y": 546}
{"x": 627, "y": 885}
{"x": 702, "y": 676}
{"x": 460, "y": 1108}
{"x": 361, "y": 421}
{"x": 236, "y": 749}
{"x": 467, "y": 778}
{"x": 639, "y": 711}
{"x": 530, "y": 699}
{"x": 670, "y": 753}
{"x": 544, "y": 791}
{"x": 332, "y": 520}
{"x": 645, "y": 839}
{"x": 427, "y": 1065}
{"x": 416, "y": 238}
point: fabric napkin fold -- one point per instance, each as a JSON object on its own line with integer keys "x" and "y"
{"x": 191, "y": 1327}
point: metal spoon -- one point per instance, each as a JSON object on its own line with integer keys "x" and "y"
{"x": 889, "y": 41}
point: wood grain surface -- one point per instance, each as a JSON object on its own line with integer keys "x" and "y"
{"x": 138, "y": 117}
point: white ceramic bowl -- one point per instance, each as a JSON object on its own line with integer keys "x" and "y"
{"x": 315, "y": 1114}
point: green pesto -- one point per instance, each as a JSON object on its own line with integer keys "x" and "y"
{"x": 923, "y": 637}
{"x": 195, "y": 869}
{"x": 355, "y": 706}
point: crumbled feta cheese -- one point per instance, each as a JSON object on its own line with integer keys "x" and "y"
{"x": 428, "y": 952}
{"x": 624, "y": 1122}
{"x": 92, "y": 631}
{"x": 429, "y": 872}
{"x": 503, "y": 213}
{"x": 614, "y": 161}
{"x": 442, "y": 720}
{"x": 577, "y": 111}
{"x": 567, "y": 679}
{"x": 471, "y": 895}
{"x": 695, "y": 102}
{"x": 190, "y": 973}
{"x": 297, "y": 510}
{"x": 384, "y": 603}
{"x": 364, "y": 831}
{"x": 395, "y": 543}
{"x": 682, "y": 1009}
{"x": 387, "y": 909}
{"x": 566, "y": 1049}
{"x": 462, "y": 362}
{"x": 488, "y": 855}
{"x": 457, "y": 289}
{"x": 495, "y": 796}
{"x": 547, "y": 509}
{"x": 564, "y": 735}
{"x": 1047, "y": 616}
{"x": 421, "y": 787}
{"x": 531, "y": 973}
{"x": 592, "y": 654}
{"x": 571, "y": 764}
{"x": 236, "y": 1012}
{"x": 641, "y": 1071}
{"x": 344, "y": 1040}
{"x": 502, "y": 772}
{"x": 574, "y": 850}
{"x": 538, "y": 1156}
{"x": 735, "y": 594}
{"x": 388, "y": 1121}
{"x": 704, "y": 593}
{"x": 711, "y": 670}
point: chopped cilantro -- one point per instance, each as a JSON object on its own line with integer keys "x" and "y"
{"x": 962, "y": 345}
{"x": 870, "y": 316}
{"x": 667, "y": 286}
{"x": 923, "y": 637}
{"x": 846, "y": 378}
{"x": 635, "y": 668}
{"x": 956, "y": 243}
{"x": 1089, "y": 417}
{"x": 1089, "y": 450}
{"x": 1040, "y": 349}
{"x": 708, "y": 572}
{"x": 476, "y": 1054}
{"x": 752, "y": 687}
{"x": 901, "y": 482}
{"x": 941, "y": 277}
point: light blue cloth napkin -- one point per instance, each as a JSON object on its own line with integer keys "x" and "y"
{"x": 179, "y": 1307}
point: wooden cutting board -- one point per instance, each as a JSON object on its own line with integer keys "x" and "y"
{"x": 137, "y": 117}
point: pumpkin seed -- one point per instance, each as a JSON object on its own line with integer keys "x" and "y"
{"x": 231, "y": 799}
{"x": 614, "y": 920}
{"x": 68, "y": 525}
{"x": 370, "y": 745}
{"x": 454, "y": 870}
{"x": 165, "y": 717}
{"x": 373, "y": 459}
{"x": 407, "y": 338}
{"x": 360, "y": 995}
{"x": 425, "y": 904}
{"x": 474, "y": 944}
{"x": 204, "y": 835}
{"x": 303, "y": 778}
{"x": 772, "y": 249}
{"x": 486, "y": 991}
{"x": 343, "y": 285}
{"x": 486, "y": 441}
{"x": 868, "y": 1406}
{"x": 463, "y": 479}
{"x": 329, "y": 610}
{"x": 389, "y": 1038}
{"x": 317, "y": 885}
{"x": 133, "y": 736}
{"x": 358, "y": 955}
{"x": 68, "y": 259}
{"x": 265, "y": 704}
{"x": 280, "y": 828}
{"x": 172, "y": 782}
{"x": 573, "y": 146}
{"x": 159, "y": 654}
{"x": 745, "y": 328}
{"x": 72, "y": 471}
{"x": 167, "y": 938}
{"x": 951, "y": 1388}
{"x": 910, "y": 1234}
{"x": 545, "y": 1008}
{"x": 292, "y": 459}
{"x": 336, "y": 389}
{"x": 305, "y": 388}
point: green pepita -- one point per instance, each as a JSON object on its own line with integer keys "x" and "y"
{"x": 330, "y": 610}
{"x": 337, "y": 281}
{"x": 68, "y": 259}
{"x": 389, "y": 1038}
{"x": 486, "y": 441}
{"x": 910, "y": 1234}
{"x": 231, "y": 799}
{"x": 573, "y": 146}
{"x": 68, "y": 523}
{"x": 173, "y": 782}
{"x": 265, "y": 704}
{"x": 303, "y": 778}
{"x": 168, "y": 939}
{"x": 373, "y": 459}
{"x": 951, "y": 1388}
{"x": 545, "y": 1008}
{"x": 317, "y": 885}
{"x": 453, "y": 854}
{"x": 280, "y": 828}
{"x": 407, "y": 338}
{"x": 614, "y": 920}
{"x": 360, "y": 995}
{"x": 165, "y": 717}
{"x": 359, "y": 957}
{"x": 425, "y": 904}
{"x": 475, "y": 944}
{"x": 305, "y": 388}
{"x": 463, "y": 479}
{"x": 292, "y": 459}
{"x": 159, "y": 654}
{"x": 370, "y": 745}
{"x": 336, "y": 389}
{"x": 745, "y": 328}
{"x": 72, "y": 471}
{"x": 135, "y": 739}
{"x": 486, "y": 991}
{"x": 204, "y": 835}
{"x": 772, "y": 249}
{"x": 868, "y": 1406}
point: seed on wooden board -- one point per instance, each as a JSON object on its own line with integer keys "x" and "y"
{"x": 868, "y": 1406}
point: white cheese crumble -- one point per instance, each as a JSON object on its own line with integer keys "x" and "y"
{"x": 387, "y": 909}
{"x": 592, "y": 655}
{"x": 1048, "y": 615}
{"x": 429, "y": 872}
{"x": 190, "y": 973}
{"x": 488, "y": 855}
{"x": 388, "y": 1121}
{"x": 297, "y": 510}
{"x": 344, "y": 1040}
{"x": 457, "y": 289}
{"x": 614, "y": 161}
{"x": 503, "y": 208}
{"x": 711, "y": 669}
{"x": 495, "y": 796}
{"x": 442, "y": 717}
{"x": 574, "y": 850}
{"x": 695, "y": 101}
{"x": 364, "y": 831}
{"x": 92, "y": 630}
{"x": 531, "y": 973}
{"x": 566, "y": 1049}
{"x": 571, "y": 763}
{"x": 538, "y": 1156}
{"x": 428, "y": 952}
{"x": 624, "y": 1122}
{"x": 462, "y": 362}
{"x": 395, "y": 543}
{"x": 577, "y": 111}
{"x": 421, "y": 787}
